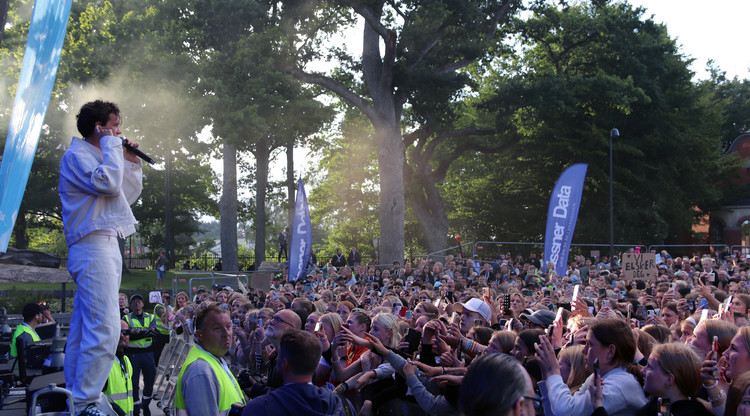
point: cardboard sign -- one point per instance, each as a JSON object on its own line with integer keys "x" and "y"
{"x": 154, "y": 296}
{"x": 639, "y": 266}
{"x": 595, "y": 254}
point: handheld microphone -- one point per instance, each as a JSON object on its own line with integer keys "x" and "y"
{"x": 137, "y": 152}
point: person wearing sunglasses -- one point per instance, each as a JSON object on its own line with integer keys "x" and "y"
{"x": 281, "y": 323}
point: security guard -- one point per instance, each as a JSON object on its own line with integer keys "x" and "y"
{"x": 32, "y": 315}
{"x": 205, "y": 386}
{"x": 119, "y": 386}
{"x": 162, "y": 313}
{"x": 140, "y": 351}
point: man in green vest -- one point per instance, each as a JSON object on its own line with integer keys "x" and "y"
{"x": 140, "y": 351}
{"x": 119, "y": 386}
{"x": 162, "y": 314}
{"x": 205, "y": 386}
{"x": 32, "y": 315}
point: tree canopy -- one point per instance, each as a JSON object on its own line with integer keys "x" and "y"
{"x": 457, "y": 117}
{"x": 584, "y": 70}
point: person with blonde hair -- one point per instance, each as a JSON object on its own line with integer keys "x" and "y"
{"x": 501, "y": 342}
{"x": 331, "y": 325}
{"x": 386, "y": 328}
{"x": 738, "y": 398}
{"x": 673, "y": 372}
{"x": 180, "y": 301}
{"x": 704, "y": 333}
{"x": 687, "y": 327}
{"x": 735, "y": 361}
{"x": 573, "y": 367}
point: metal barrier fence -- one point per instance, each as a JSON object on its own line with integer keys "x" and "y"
{"x": 742, "y": 250}
{"x": 440, "y": 255}
{"x": 688, "y": 250}
{"x": 487, "y": 250}
{"x": 207, "y": 261}
{"x": 204, "y": 262}
{"x": 188, "y": 281}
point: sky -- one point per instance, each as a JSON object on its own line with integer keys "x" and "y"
{"x": 706, "y": 30}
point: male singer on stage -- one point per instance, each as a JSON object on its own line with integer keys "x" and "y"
{"x": 99, "y": 180}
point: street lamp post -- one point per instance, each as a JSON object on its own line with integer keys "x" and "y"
{"x": 614, "y": 133}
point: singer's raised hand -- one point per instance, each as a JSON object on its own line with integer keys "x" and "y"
{"x": 103, "y": 131}
{"x": 129, "y": 156}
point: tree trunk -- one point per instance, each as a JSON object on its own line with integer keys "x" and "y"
{"x": 228, "y": 209}
{"x": 262, "y": 154}
{"x": 392, "y": 204}
{"x": 19, "y": 231}
{"x": 121, "y": 244}
{"x": 378, "y": 73}
{"x": 3, "y": 17}
{"x": 290, "y": 182}
{"x": 426, "y": 201}
{"x": 429, "y": 209}
{"x": 168, "y": 209}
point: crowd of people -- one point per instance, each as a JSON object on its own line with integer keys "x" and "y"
{"x": 458, "y": 336}
{"x": 474, "y": 337}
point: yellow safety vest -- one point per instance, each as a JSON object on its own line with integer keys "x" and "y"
{"x": 160, "y": 326}
{"x": 20, "y": 330}
{"x": 120, "y": 385}
{"x": 136, "y": 323}
{"x": 229, "y": 388}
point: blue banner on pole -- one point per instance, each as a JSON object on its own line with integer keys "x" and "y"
{"x": 40, "y": 61}
{"x": 562, "y": 216}
{"x": 300, "y": 245}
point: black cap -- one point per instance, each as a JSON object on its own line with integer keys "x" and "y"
{"x": 136, "y": 296}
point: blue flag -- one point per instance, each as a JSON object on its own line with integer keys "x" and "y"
{"x": 41, "y": 58}
{"x": 300, "y": 246}
{"x": 562, "y": 216}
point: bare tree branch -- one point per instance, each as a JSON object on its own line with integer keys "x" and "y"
{"x": 371, "y": 19}
{"x": 389, "y": 59}
{"x": 498, "y": 15}
{"x": 395, "y": 7}
{"x": 335, "y": 87}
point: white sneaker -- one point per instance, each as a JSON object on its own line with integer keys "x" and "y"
{"x": 91, "y": 410}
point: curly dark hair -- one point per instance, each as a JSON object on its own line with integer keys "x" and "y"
{"x": 92, "y": 112}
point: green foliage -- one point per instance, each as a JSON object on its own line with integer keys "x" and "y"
{"x": 124, "y": 53}
{"x": 345, "y": 196}
{"x": 18, "y": 298}
{"x": 191, "y": 185}
{"x": 585, "y": 70}
{"x": 50, "y": 241}
{"x": 731, "y": 98}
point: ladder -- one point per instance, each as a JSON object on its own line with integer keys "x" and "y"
{"x": 168, "y": 370}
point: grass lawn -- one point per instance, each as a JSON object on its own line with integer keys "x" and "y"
{"x": 140, "y": 280}
{"x": 136, "y": 279}
{"x": 16, "y": 295}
